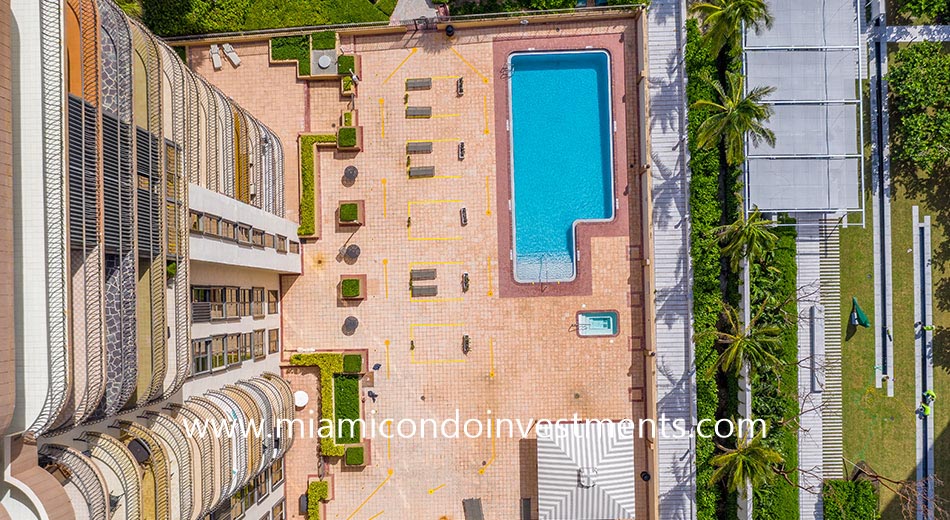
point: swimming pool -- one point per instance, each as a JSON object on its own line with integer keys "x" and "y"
{"x": 561, "y": 157}
{"x": 599, "y": 323}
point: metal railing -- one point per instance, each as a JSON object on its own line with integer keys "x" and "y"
{"x": 174, "y": 435}
{"x": 158, "y": 463}
{"x": 84, "y": 475}
{"x": 115, "y": 455}
{"x": 260, "y": 398}
{"x": 205, "y": 458}
{"x": 227, "y": 461}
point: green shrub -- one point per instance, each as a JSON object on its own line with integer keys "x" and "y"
{"x": 180, "y": 17}
{"x": 850, "y": 500}
{"x": 347, "y": 83}
{"x": 272, "y": 14}
{"x": 346, "y": 401}
{"x": 292, "y": 48}
{"x": 325, "y": 138}
{"x": 182, "y": 52}
{"x": 350, "y": 287}
{"x": 932, "y": 11}
{"x": 323, "y": 40}
{"x": 307, "y": 219}
{"x": 349, "y": 212}
{"x": 354, "y": 456}
{"x": 352, "y": 363}
{"x": 318, "y": 491}
{"x": 329, "y": 364}
{"x": 347, "y": 118}
{"x": 346, "y": 137}
{"x": 345, "y": 64}
{"x": 386, "y": 6}
{"x": 705, "y": 214}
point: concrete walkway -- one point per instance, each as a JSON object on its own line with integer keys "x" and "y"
{"x": 918, "y": 33}
{"x": 676, "y": 384}
{"x": 923, "y": 353}
{"x": 411, "y": 10}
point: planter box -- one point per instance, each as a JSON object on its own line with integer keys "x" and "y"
{"x": 360, "y": 213}
{"x": 362, "y": 281}
{"x": 359, "y": 141}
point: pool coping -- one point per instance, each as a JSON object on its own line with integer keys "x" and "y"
{"x": 577, "y": 316}
{"x": 582, "y": 284}
{"x": 511, "y": 158}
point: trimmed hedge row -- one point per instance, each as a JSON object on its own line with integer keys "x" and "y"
{"x": 346, "y": 137}
{"x": 352, "y": 363}
{"x": 705, "y": 214}
{"x": 774, "y": 394}
{"x": 329, "y": 364}
{"x": 354, "y": 456}
{"x": 317, "y": 491}
{"x": 850, "y": 500}
{"x": 346, "y": 403}
{"x": 307, "y": 208}
{"x": 295, "y": 48}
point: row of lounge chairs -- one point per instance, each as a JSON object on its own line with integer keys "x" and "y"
{"x": 423, "y": 275}
{"x": 415, "y": 84}
{"x": 228, "y": 51}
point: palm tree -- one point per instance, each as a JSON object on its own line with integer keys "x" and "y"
{"x": 747, "y": 237}
{"x": 734, "y": 116}
{"x": 723, "y": 20}
{"x": 750, "y": 344}
{"x": 750, "y": 462}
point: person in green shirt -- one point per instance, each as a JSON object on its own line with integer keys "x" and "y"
{"x": 929, "y": 396}
{"x": 923, "y": 411}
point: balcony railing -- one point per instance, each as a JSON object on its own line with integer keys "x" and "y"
{"x": 84, "y": 475}
{"x": 115, "y": 455}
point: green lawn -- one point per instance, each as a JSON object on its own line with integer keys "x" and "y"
{"x": 346, "y": 402}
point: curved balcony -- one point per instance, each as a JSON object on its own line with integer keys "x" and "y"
{"x": 267, "y": 420}
{"x": 236, "y": 419}
{"x": 155, "y": 501}
{"x": 204, "y": 462}
{"x": 182, "y": 454}
{"x": 84, "y": 483}
{"x": 283, "y": 388}
{"x": 255, "y": 426}
{"x": 212, "y": 412}
{"x": 115, "y": 456}
{"x": 227, "y": 132}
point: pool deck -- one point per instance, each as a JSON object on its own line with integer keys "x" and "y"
{"x": 527, "y": 361}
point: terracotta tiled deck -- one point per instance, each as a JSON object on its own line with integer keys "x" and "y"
{"x": 526, "y": 361}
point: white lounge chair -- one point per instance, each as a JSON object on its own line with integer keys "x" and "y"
{"x": 232, "y": 56}
{"x": 215, "y": 56}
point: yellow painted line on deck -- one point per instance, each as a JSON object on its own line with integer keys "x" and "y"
{"x": 411, "y": 52}
{"x": 380, "y": 486}
{"x": 434, "y": 239}
{"x": 484, "y": 78}
{"x": 389, "y": 440}
{"x": 409, "y": 220}
{"x": 377, "y": 515}
{"x": 433, "y": 490}
{"x": 484, "y": 111}
{"x": 382, "y": 117}
{"x": 446, "y": 140}
{"x": 435, "y": 300}
{"x": 445, "y": 77}
{"x": 412, "y": 326}
{"x": 387, "y": 357}
{"x": 386, "y": 275}
{"x": 412, "y": 353}
{"x": 491, "y": 358}
{"x": 481, "y": 470}
{"x": 435, "y": 263}
{"x": 384, "y": 196}
{"x": 490, "y": 292}
{"x": 440, "y": 116}
{"x": 488, "y": 194}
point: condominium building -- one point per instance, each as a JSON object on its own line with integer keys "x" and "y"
{"x": 140, "y": 261}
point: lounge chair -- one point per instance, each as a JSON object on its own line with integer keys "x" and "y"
{"x": 459, "y": 88}
{"x": 418, "y": 112}
{"x": 215, "y": 56}
{"x": 463, "y": 217}
{"x": 465, "y": 282}
{"x": 461, "y": 150}
{"x": 422, "y": 274}
{"x": 466, "y": 344}
{"x": 418, "y": 83}
{"x": 424, "y": 291}
{"x": 421, "y": 171}
{"x": 232, "y": 56}
{"x": 419, "y": 147}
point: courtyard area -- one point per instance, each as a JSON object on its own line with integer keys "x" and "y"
{"x": 426, "y": 235}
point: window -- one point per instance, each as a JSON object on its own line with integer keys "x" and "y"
{"x": 258, "y": 343}
{"x": 244, "y": 307}
{"x": 243, "y": 234}
{"x": 277, "y": 513}
{"x": 247, "y": 500}
{"x": 200, "y": 356}
{"x": 232, "y": 302}
{"x": 234, "y": 351}
{"x": 261, "y": 487}
{"x": 216, "y": 297}
{"x": 272, "y": 297}
{"x": 227, "y": 230}
{"x": 194, "y": 221}
{"x": 273, "y": 339}
{"x": 294, "y": 247}
{"x": 257, "y": 302}
{"x": 281, "y": 244}
{"x": 257, "y": 237}
{"x": 276, "y": 473}
{"x": 237, "y": 511}
{"x": 245, "y": 342}
{"x": 217, "y": 352}
{"x": 269, "y": 240}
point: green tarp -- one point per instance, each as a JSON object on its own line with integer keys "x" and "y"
{"x": 857, "y": 314}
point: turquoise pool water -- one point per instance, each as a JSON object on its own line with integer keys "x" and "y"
{"x": 561, "y": 157}
{"x": 597, "y": 323}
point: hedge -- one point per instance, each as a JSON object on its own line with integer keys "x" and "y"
{"x": 350, "y": 288}
{"x": 345, "y": 64}
{"x": 349, "y": 212}
{"x": 850, "y": 500}
{"x": 386, "y": 6}
{"x": 329, "y": 364}
{"x": 346, "y": 401}
{"x": 774, "y": 395}
{"x": 323, "y": 40}
{"x": 346, "y": 138}
{"x": 347, "y": 118}
{"x": 307, "y": 219}
{"x": 705, "y": 214}
{"x": 352, "y": 363}
{"x": 318, "y": 491}
{"x": 354, "y": 456}
{"x": 295, "y": 48}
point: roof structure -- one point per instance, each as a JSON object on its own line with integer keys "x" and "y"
{"x": 585, "y": 471}
{"x": 812, "y": 57}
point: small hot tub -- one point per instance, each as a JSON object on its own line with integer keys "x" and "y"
{"x": 597, "y": 323}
